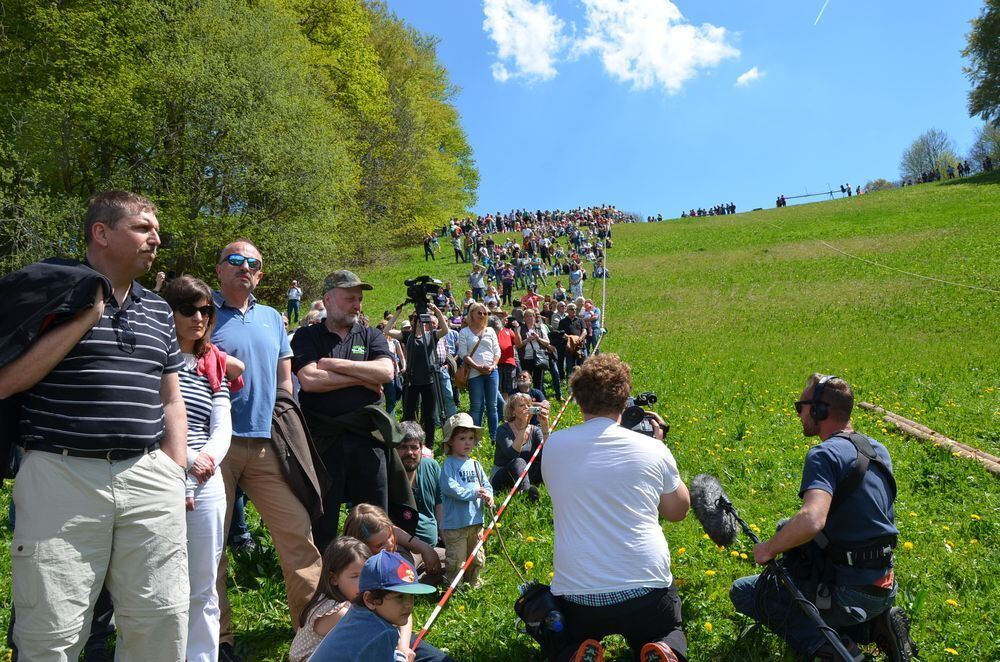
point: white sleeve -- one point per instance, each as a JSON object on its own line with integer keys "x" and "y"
{"x": 220, "y": 428}
{"x": 494, "y": 344}
{"x": 462, "y": 344}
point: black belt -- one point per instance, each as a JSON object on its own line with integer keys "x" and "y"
{"x": 111, "y": 456}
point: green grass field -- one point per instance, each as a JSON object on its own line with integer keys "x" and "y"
{"x": 724, "y": 319}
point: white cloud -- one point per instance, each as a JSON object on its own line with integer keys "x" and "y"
{"x": 748, "y": 77}
{"x": 649, "y": 42}
{"x": 528, "y": 36}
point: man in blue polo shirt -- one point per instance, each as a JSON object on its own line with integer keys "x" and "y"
{"x": 100, "y": 491}
{"x": 255, "y": 334}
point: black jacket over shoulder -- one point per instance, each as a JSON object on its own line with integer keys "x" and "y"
{"x": 36, "y": 298}
{"x": 300, "y": 463}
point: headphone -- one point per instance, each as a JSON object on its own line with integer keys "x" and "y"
{"x": 818, "y": 409}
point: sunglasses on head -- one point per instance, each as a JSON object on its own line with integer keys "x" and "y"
{"x": 237, "y": 260}
{"x": 188, "y": 310}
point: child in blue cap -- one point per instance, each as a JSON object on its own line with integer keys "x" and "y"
{"x": 369, "y": 632}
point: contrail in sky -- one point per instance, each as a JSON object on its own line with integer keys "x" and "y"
{"x": 821, "y": 12}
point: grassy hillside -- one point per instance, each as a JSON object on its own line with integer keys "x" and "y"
{"x": 724, "y": 319}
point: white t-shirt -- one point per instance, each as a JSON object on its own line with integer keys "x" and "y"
{"x": 605, "y": 482}
{"x": 487, "y": 351}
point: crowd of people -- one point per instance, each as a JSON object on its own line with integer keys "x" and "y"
{"x": 963, "y": 169}
{"x": 138, "y": 418}
{"x": 718, "y": 210}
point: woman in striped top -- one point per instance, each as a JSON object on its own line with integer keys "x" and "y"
{"x": 206, "y": 398}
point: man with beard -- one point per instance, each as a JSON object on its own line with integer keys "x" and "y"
{"x": 424, "y": 475}
{"x": 341, "y": 365}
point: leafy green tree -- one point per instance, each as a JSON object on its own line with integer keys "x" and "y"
{"x": 986, "y": 143}
{"x": 932, "y": 151}
{"x": 879, "y": 185}
{"x": 983, "y": 51}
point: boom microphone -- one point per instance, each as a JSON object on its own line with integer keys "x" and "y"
{"x": 713, "y": 509}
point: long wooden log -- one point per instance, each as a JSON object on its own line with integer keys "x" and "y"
{"x": 914, "y": 429}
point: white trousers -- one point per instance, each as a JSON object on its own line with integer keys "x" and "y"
{"x": 206, "y": 528}
{"x": 84, "y": 523}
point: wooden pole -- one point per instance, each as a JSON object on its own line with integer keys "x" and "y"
{"x": 914, "y": 429}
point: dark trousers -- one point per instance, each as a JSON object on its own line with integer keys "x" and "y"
{"x": 358, "y": 473}
{"x": 537, "y": 370}
{"x": 556, "y": 378}
{"x": 459, "y": 256}
{"x": 428, "y": 253}
{"x": 655, "y": 616}
{"x": 567, "y": 362}
{"x": 508, "y": 291}
{"x": 424, "y": 395}
{"x": 505, "y": 478}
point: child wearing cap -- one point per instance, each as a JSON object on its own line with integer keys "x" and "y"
{"x": 369, "y": 632}
{"x": 464, "y": 490}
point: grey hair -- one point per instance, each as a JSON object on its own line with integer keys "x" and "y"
{"x": 412, "y": 430}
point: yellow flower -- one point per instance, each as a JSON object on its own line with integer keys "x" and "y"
{"x": 973, "y": 541}
{"x": 530, "y": 539}
{"x": 755, "y": 528}
{"x": 461, "y": 607}
{"x": 710, "y": 573}
{"x": 708, "y": 626}
{"x": 946, "y": 527}
{"x": 912, "y": 514}
{"x": 951, "y": 651}
{"x": 705, "y": 536}
{"x": 951, "y": 603}
{"x": 976, "y": 517}
{"x": 907, "y": 545}
{"x": 528, "y": 565}
{"x": 682, "y": 550}
{"x": 743, "y": 556}
{"x": 734, "y": 554}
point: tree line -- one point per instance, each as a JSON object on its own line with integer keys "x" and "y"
{"x": 324, "y": 130}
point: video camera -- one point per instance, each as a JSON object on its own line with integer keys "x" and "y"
{"x": 419, "y": 291}
{"x": 636, "y": 418}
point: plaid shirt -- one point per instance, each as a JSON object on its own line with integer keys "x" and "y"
{"x": 607, "y": 599}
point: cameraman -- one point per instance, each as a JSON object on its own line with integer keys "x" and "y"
{"x": 609, "y": 487}
{"x": 421, "y": 360}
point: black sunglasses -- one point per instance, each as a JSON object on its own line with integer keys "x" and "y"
{"x": 800, "y": 403}
{"x": 188, "y": 310}
{"x": 124, "y": 333}
{"x": 237, "y": 260}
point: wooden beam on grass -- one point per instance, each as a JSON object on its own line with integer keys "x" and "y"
{"x": 924, "y": 433}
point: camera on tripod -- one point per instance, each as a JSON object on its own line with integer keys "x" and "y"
{"x": 419, "y": 291}
{"x": 637, "y": 419}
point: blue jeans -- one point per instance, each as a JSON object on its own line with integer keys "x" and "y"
{"x": 238, "y": 530}
{"x": 483, "y": 391}
{"x": 450, "y": 408}
{"x": 293, "y": 309}
{"x": 849, "y": 613}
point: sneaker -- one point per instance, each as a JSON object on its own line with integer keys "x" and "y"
{"x": 589, "y": 651}
{"x": 228, "y": 654}
{"x": 891, "y": 631}
{"x": 533, "y": 493}
{"x": 657, "y": 651}
{"x": 243, "y": 547}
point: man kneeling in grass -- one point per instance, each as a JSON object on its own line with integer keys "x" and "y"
{"x": 609, "y": 487}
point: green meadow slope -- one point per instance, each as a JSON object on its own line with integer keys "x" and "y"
{"x": 724, "y": 318}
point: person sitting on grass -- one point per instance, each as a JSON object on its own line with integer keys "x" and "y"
{"x": 372, "y": 526}
{"x": 464, "y": 490}
{"x": 370, "y": 630}
{"x": 338, "y": 585}
{"x": 516, "y": 440}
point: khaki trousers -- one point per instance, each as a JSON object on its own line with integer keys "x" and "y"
{"x": 253, "y": 465}
{"x": 82, "y": 523}
{"x": 457, "y": 545}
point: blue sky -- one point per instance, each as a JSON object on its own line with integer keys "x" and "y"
{"x": 637, "y": 102}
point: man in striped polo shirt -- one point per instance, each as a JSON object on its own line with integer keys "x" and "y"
{"x": 100, "y": 491}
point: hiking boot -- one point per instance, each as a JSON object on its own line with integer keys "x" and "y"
{"x": 228, "y": 654}
{"x": 589, "y": 651}
{"x": 827, "y": 652}
{"x": 891, "y": 631}
{"x": 657, "y": 651}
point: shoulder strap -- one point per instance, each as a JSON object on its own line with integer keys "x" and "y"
{"x": 866, "y": 457}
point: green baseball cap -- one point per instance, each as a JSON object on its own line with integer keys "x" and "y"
{"x": 344, "y": 278}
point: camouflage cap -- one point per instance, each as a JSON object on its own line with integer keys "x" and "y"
{"x": 344, "y": 278}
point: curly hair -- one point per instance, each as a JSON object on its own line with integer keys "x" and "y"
{"x": 602, "y": 384}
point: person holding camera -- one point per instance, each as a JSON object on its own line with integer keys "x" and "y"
{"x": 516, "y": 440}
{"x": 535, "y": 344}
{"x": 421, "y": 361}
{"x": 610, "y": 486}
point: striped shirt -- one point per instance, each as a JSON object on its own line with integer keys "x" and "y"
{"x": 198, "y": 401}
{"x": 105, "y": 394}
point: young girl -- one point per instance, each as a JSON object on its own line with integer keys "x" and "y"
{"x": 464, "y": 489}
{"x": 372, "y": 526}
{"x": 338, "y": 586}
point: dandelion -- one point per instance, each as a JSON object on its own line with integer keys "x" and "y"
{"x": 530, "y": 539}
{"x": 907, "y": 545}
{"x": 734, "y": 554}
{"x": 973, "y": 541}
{"x": 976, "y": 517}
{"x": 951, "y": 602}
{"x": 912, "y": 514}
{"x": 951, "y": 651}
{"x": 528, "y": 565}
{"x": 946, "y": 527}
{"x": 708, "y": 626}
{"x": 755, "y": 528}
{"x": 551, "y": 575}
{"x": 461, "y": 607}
{"x": 710, "y": 573}
{"x": 705, "y": 536}
{"x": 743, "y": 556}
{"x": 682, "y": 550}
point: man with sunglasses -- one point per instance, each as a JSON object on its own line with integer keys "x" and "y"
{"x": 100, "y": 491}
{"x": 255, "y": 334}
{"x": 839, "y": 545}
